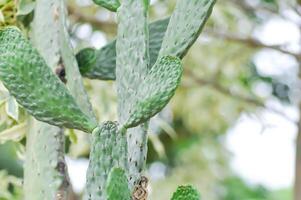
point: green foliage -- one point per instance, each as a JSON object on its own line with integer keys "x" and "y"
{"x": 111, "y": 5}
{"x": 25, "y": 7}
{"x": 10, "y": 187}
{"x": 237, "y": 189}
{"x": 7, "y": 13}
{"x": 28, "y": 78}
{"x": 9, "y": 159}
{"x": 186, "y": 193}
{"x": 108, "y": 150}
{"x": 117, "y": 187}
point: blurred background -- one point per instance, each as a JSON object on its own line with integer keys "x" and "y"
{"x": 233, "y": 128}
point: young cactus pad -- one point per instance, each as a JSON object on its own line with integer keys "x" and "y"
{"x": 156, "y": 90}
{"x": 27, "y": 77}
{"x": 111, "y": 5}
{"x": 117, "y": 187}
{"x": 108, "y": 150}
{"x": 185, "y": 25}
{"x": 132, "y": 54}
{"x": 186, "y": 193}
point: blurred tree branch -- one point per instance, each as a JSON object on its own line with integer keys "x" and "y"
{"x": 78, "y": 16}
{"x": 259, "y": 8}
{"x": 226, "y": 91}
{"x": 251, "y": 42}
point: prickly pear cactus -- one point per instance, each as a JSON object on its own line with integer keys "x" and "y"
{"x": 117, "y": 187}
{"x": 108, "y": 4}
{"x": 26, "y": 75}
{"x": 101, "y": 64}
{"x": 45, "y": 169}
{"x": 46, "y": 81}
{"x": 108, "y": 150}
{"x": 143, "y": 90}
{"x": 132, "y": 39}
{"x": 156, "y": 90}
{"x": 186, "y": 193}
{"x": 185, "y": 25}
{"x": 98, "y": 64}
{"x": 46, "y": 175}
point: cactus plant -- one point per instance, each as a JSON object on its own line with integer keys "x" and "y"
{"x": 101, "y": 64}
{"x": 109, "y": 150}
{"x": 28, "y": 78}
{"x": 145, "y": 60}
{"x": 117, "y": 187}
{"x": 186, "y": 193}
{"x": 50, "y": 13}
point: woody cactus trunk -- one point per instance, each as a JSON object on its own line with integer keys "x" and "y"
{"x": 45, "y": 77}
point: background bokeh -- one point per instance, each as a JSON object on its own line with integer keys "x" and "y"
{"x": 232, "y": 127}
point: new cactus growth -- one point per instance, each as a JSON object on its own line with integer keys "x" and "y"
{"x": 155, "y": 91}
{"x": 145, "y": 61}
{"x": 186, "y": 193}
{"x": 117, "y": 187}
{"x": 109, "y": 150}
{"x": 108, "y": 4}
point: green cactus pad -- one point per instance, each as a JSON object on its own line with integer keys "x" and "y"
{"x": 98, "y": 64}
{"x": 111, "y": 5}
{"x": 45, "y": 173}
{"x": 185, "y": 25}
{"x": 117, "y": 187}
{"x": 26, "y": 75}
{"x": 101, "y": 64}
{"x": 156, "y": 90}
{"x": 186, "y": 193}
{"x": 108, "y": 150}
{"x": 132, "y": 64}
{"x": 132, "y": 54}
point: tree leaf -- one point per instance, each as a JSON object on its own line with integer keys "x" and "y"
{"x": 15, "y": 133}
{"x": 25, "y": 7}
{"x": 12, "y": 108}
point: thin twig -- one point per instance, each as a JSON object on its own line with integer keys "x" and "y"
{"x": 216, "y": 86}
{"x": 79, "y": 16}
{"x": 251, "y": 42}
